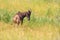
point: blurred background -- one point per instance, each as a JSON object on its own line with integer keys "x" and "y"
{"x": 44, "y": 23}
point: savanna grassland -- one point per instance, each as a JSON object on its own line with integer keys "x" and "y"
{"x": 44, "y": 23}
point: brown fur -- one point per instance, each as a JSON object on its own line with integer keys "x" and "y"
{"x": 19, "y": 17}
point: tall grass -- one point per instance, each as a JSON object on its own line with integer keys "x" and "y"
{"x": 45, "y": 20}
{"x": 7, "y": 17}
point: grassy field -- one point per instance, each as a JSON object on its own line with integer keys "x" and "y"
{"x": 44, "y": 23}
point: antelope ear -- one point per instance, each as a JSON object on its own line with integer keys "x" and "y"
{"x": 18, "y": 11}
{"x": 30, "y": 9}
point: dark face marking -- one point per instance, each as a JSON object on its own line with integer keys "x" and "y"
{"x": 22, "y": 15}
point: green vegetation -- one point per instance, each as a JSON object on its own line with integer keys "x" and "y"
{"x": 44, "y": 23}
